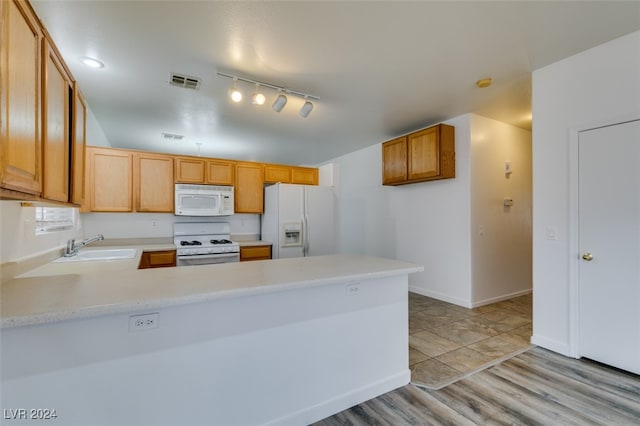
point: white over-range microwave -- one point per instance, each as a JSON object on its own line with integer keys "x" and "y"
{"x": 203, "y": 200}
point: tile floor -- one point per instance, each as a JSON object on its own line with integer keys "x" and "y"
{"x": 447, "y": 341}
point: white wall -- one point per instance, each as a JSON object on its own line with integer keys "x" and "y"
{"x": 500, "y": 236}
{"x": 426, "y": 223}
{"x": 95, "y": 134}
{"x": 18, "y": 239}
{"x": 600, "y": 85}
{"x": 431, "y": 223}
{"x": 155, "y": 225}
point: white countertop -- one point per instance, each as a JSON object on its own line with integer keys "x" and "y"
{"x": 253, "y": 243}
{"x": 63, "y": 291}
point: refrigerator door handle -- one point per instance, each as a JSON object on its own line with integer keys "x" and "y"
{"x": 305, "y": 223}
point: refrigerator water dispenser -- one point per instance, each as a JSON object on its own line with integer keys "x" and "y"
{"x": 291, "y": 234}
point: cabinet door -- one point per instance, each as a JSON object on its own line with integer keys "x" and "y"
{"x": 56, "y": 88}
{"x": 20, "y": 72}
{"x": 157, "y": 259}
{"x": 304, "y": 175}
{"x": 220, "y": 172}
{"x": 424, "y": 153}
{"x": 110, "y": 180}
{"x": 154, "y": 187}
{"x": 79, "y": 138}
{"x": 274, "y": 173}
{"x": 394, "y": 161}
{"x": 249, "y": 188}
{"x": 189, "y": 170}
{"x": 255, "y": 253}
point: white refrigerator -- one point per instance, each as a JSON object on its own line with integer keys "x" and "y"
{"x": 299, "y": 220}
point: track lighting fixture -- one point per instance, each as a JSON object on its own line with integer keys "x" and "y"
{"x": 234, "y": 93}
{"x": 306, "y": 108}
{"x": 259, "y": 98}
{"x": 280, "y": 102}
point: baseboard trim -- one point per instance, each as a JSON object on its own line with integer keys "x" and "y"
{"x": 346, "y": 400}
{"x": 440, "y": 296}
{"x": 553, "y": 345}
{"x": 501, "y": 298}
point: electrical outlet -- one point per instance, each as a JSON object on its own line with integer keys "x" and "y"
{"x": 353, "y": 289}
{"x": 154, "y": 223}
{"x": 143, "y": 322}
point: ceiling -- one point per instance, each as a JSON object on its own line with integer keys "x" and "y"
{"x": 380, "y": 69}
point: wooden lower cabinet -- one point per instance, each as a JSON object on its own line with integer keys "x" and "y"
{"x": 157, "y": 259}
{"x": 249, "y": 188}
{"x": 255, "y": 253}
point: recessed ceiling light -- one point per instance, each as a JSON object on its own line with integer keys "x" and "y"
{"x": 483, "y": 82}
{"x": 91, "y": 62}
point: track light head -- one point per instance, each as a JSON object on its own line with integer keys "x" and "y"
{"x": 306, "y": 109}
{"x": 234, "y": 93}
{"x": 258, "y": 98}
{"x": 279, "y": 103}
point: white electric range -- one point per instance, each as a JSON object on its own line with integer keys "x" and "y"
{"x": 202, "y": 243}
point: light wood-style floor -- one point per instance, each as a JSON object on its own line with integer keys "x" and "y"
{"x": 537, "y": 387}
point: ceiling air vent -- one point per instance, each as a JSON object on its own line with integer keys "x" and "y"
{"x": 184, "y": 81}
{"x": 171, "y": 137}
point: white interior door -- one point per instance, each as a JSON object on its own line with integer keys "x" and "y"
{"x": 609, "y": 241}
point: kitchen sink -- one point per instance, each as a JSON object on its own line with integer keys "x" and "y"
{"x": 94, "y": 255}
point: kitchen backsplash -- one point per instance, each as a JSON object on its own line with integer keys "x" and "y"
{"x": 18, "y": 240}
{"x": 18, "y": 236}
{"x": 153, "y": 225}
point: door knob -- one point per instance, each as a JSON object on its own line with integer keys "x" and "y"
{"x": 587, "y": 256}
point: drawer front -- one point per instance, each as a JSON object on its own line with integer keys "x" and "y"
{"x": 255, "y": 253}
{"x": 162, "y": 258}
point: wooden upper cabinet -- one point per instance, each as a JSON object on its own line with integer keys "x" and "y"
{"x": 20, "y": 101}
{"x": 79, "y": 143}
{"x": 274, "y": 173}
{"x": 153, "y": 182}
{"x": 220, "y": 172}
{"x": 425, "y": 155}
{"x": 249, "y": 188}
{"x": 304, "y": 175}
{"x": 394, "y": 161}
{"x": 110, "y": 180}
{"x": 189, "y": 170}
{"x": 56, "y": 91}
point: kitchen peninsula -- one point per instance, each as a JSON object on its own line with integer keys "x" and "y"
{"x": 286, "y": 341}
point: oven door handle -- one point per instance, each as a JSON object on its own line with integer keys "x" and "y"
{"x": 208, "y": 256}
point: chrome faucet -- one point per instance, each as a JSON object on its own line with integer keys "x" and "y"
{"x": 73, "y": 247}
